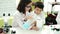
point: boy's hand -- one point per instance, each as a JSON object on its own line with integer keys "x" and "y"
{"x": 29, "y": 17}
{"x": 34, "y": 27}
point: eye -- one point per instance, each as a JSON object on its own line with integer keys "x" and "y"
{"x": 28, "y": 6}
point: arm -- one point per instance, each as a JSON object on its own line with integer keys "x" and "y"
{"x": 17, "y": 21}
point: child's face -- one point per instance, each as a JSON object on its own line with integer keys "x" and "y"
{"x": 38, "y": 10}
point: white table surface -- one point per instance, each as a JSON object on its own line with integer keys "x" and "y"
{"x": 20, "y": 31}
{"x": 46, "y": 30}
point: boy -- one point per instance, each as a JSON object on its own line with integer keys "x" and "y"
{"x": 38, "y": 16}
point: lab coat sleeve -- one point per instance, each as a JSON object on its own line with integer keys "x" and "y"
{"x": 17, "y": 22}
{"x": 40, "y": 23}
{"x": 43, "y": 18}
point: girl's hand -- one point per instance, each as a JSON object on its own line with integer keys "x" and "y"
{"x": 30, "y": 17}
{"x": 27, "y": 18}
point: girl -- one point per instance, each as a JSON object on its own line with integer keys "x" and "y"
{"x": 21, "y": 16}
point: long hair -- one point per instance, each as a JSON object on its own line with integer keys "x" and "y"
{"x": 22, "y": 5}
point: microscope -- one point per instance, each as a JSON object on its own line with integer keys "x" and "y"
{"x": 6, "y": 25}
{"x": 51, "y": 18}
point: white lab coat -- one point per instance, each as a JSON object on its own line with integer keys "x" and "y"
{"x": 58, "y": 18}
{"x": 39, "y": 18}
{"x": 19, "y": 19}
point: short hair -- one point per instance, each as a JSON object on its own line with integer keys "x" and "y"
{"x": 39, "y": 5}
{"x": 22, "y": 5}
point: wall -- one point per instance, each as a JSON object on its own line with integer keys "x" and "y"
{"x": 7, "y": 6}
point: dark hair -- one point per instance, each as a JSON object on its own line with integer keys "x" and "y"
{"x": 22, "y": 5}
{"x": 39, "y": 5}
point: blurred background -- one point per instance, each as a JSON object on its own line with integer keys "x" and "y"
{"x": 8, "y": 9}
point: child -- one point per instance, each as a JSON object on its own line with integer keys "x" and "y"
{"x": 38, "y": 16}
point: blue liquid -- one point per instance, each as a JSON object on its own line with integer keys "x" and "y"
{"x": 27, "y": 24}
